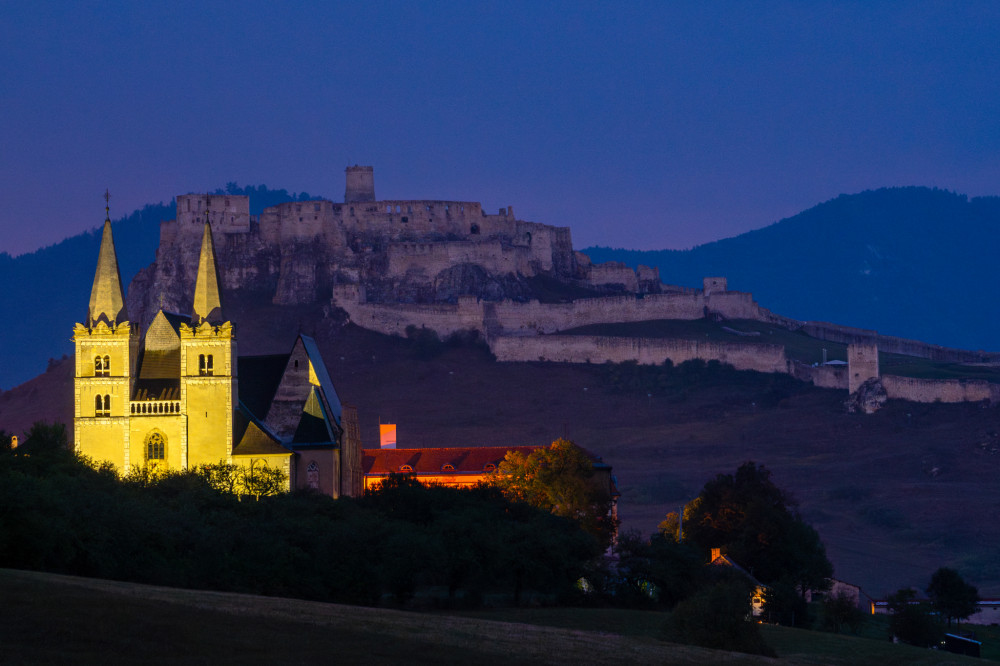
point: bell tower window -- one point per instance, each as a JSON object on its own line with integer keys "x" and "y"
{"x": 206, "y": 365}
{"x": 102, "y": 366}
{"x": 102, "y": 405}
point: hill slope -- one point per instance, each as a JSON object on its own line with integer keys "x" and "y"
{"x": 913, "y": 262}
{"x": 894, "y": 495}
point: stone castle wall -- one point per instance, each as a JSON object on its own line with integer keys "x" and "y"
{"x": 823, "y": 376}
{"x": 940, "y": 390}
{"x": 894, "y": 345}
{"x": 598, "y": 349}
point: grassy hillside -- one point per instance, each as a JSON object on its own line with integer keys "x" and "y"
{"x": 50, "y": 619}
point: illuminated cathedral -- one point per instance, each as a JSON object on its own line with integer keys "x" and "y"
{"x": 172, "y": 399}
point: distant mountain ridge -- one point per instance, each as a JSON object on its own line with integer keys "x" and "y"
{"x": 46, "y": 291}
{"x": 913, "y": 262}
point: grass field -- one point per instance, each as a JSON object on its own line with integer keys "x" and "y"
{"x": 51, "y": 619}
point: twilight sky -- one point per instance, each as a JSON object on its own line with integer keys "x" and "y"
{"x": 640, "y": 125}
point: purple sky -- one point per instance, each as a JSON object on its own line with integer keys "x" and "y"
{"x": 642, "y": 125}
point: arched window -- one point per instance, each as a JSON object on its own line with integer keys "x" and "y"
{"x": 489, "y": 467}
{"x": 205, "y": 365}
{"x": 107, "y": 366}
{"x": 98, "y": 366}
{"x": 201, "y": 364}
{"x": 107, "y": 405}
{"x": 406, "y": 469}
{"x": 102, "y": 405}
{"x": 156, "y": 447}
{"x": 448, "y": 467}
{"x": 209, "y": 369}
{"x": 312, "y": 475}
{"x": 474, "y": 229}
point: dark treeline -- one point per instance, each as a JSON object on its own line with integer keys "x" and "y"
{"x": 60, "y": 515}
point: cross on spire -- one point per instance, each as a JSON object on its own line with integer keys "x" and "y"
{"x": 107, "y": 204}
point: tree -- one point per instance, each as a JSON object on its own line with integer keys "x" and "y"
{"x": 717, "y": 617}
{"x": 560, "y": 479}
{"x": 951, "y": 596}
{"x": 841, "y": 610}
{"x": 911, "y": 621}
{"x": 757, "y": 524}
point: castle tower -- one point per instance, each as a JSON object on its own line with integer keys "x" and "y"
{"x": 208, "y": 382}
{"x": 360, "y": 184}
{"x": 106, "y": 350}
{"x": 862, "y": 364}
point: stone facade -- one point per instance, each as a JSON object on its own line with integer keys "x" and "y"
{"x": 410, "y": 251}
{"x": 862, "y": 363}
{"x": 171, "y": 400}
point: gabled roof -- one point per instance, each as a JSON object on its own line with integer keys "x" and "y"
{"x": 314, "y": 426}
{"x": 254, "y": 437}
{"x": 259, "y": 377}
{"x": 107, "y": 301}
{"x": 473, "y": 459}
{"x": 323, "y": 376}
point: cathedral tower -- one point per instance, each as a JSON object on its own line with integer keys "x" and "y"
{"x": 106, "y": 349}
{"x": 208, "y": 367}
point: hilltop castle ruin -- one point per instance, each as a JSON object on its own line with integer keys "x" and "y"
{"x": 451, "y": 266}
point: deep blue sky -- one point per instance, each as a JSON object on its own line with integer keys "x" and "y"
{"x": 642, "y": 125}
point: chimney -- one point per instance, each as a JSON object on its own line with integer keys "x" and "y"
{"x": 716, "y": 554}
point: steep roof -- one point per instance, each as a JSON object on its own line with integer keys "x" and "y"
{"x": 107, "y": 301}
{"x": 207, "y": 294}
{"x": 259, "y": 377}
{"x": 254, "y": 438}
{"x": 314, "y": 426}
{"x": 323, "y": 377}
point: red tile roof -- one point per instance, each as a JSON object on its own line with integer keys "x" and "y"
{"x": 473, "y": 459}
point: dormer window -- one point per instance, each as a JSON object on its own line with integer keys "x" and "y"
{"x": 406, "y": 469}
{"x": 489, "y": 467}
{"x": 448, "y": 467}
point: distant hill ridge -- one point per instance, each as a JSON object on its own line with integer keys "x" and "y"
{"x": 912, "y": 261}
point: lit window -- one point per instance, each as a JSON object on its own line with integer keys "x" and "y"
{"x": 156, "y": 447}
{"x": 489, "y": 467}
{"x": 406, "y": 468}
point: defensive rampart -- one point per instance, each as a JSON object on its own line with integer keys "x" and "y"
{"x": 940, "y": 390}
{"x": 598, "y": 349}
{"x": 893, "y": 345}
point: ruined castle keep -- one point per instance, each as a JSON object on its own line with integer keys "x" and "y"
{"x": 398, "y": 251}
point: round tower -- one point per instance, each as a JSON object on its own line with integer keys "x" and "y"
{"x": 360, "y": 184}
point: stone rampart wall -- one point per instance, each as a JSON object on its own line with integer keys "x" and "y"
{"x": 598, "y": 349}
{"x": 940, "y": 390}
{"x": 824, "y": 376}
{"x": 894, "y": 345}
{"x": 432, "y": 258}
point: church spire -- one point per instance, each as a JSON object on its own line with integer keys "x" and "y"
{"x": 207, "y": 294}
{"x": 107, "y": 301}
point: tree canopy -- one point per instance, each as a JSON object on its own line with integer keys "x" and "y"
{"x": 560, "y": 479}
{"x": 951, "y": 596}
{"x": 756, "y": 524}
